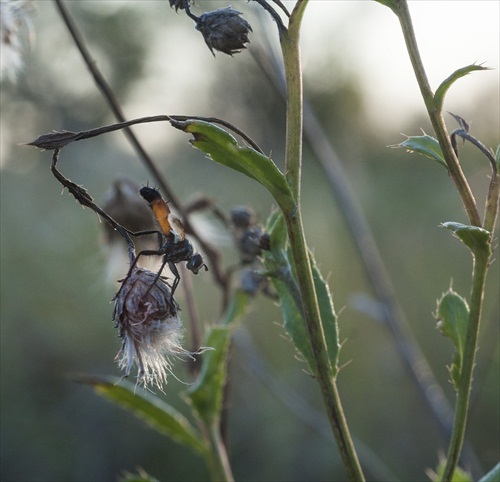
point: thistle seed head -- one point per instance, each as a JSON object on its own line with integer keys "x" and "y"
{"x": 224, "y": 30}
{"x": 147, "y": 317}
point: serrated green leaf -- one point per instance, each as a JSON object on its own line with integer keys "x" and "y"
{"x": 446, "y": 84}
{"x": 389, "y": 3}
{"x": 425, "y": 145}
{"x": 493, "y": 475}
{"x": 156, "y": 413}
{"x": 474, "y": 237}
{"x": 205, "y": 395}
{"x": 223, "y": 148}
{"x": 279, "y": 262}
{"x": 328, "y": 316}
{"x": 452, "y": 318}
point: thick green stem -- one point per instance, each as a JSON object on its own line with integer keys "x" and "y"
{"x": 293, "y": 75}
{"x": 436, "y": 116}
{"x": 481, "y": 260}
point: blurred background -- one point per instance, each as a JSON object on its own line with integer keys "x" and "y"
{"x": 55, "y": 291}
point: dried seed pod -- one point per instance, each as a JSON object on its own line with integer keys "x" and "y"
{"x": 224, "y": 30}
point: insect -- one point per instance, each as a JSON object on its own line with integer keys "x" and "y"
{"x": 174, "y": 246}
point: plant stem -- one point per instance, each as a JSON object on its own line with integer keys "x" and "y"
{"x": 436, "y": 115}
{"x": 481, "y": 253}
{"x": 293, "y": 161}
{"x": 217, "y": 458}
{"x": 481, "y": 260}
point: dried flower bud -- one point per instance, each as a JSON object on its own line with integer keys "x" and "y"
{"x": 243, "y": 216}
{"x": 249, "y": 236}
{"x": 224, "y": 30}
{"x": 178, "y": 4}
{"x": 149, "y": 325}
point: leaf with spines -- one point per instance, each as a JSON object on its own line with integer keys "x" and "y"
{"x": 474, "y": 237}
{"x": 425, "y": 145}
{"x": 278, "y": 261}
{"x": 452, "y": 316}
{"x": 447, "y": 83}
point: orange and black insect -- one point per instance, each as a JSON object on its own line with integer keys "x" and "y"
{"x": 174, "y": 246}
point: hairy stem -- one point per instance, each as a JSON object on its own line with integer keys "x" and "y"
{"x": 293, "y": 161}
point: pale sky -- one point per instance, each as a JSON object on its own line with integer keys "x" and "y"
{"x": 451, "y": 34}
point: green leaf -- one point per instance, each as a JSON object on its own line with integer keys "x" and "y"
{"x": 328, "y": 316}
{"x": 474, "y": 237}
{"x": 156, "y": 413}
{"x": 205, "y": 395}
{"x": 493, "y": 475}
{"x": 223, "y": 148}
{"x": 389, "y": 3}
{"x": 279, "y": 262}
{"x": 446, "y": 84}
{"x": 425, "y": 145}
{"x": 497, "y": 157}
{"x": 452, "y": 318}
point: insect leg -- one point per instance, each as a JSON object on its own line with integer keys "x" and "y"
{"x": 177, "y": 277}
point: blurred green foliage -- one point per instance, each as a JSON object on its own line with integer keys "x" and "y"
{"x": 55, "y": 315}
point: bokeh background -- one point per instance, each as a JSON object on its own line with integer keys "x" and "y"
{"x": 55, "y": 292}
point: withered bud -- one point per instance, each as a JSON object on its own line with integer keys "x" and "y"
{"x": 146, "y": 315}
{"x": 249, "y": 236}
{"x": 178, "y": 4}
{"x": 224, "y": 30}
{"x": 243, "y": 216}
